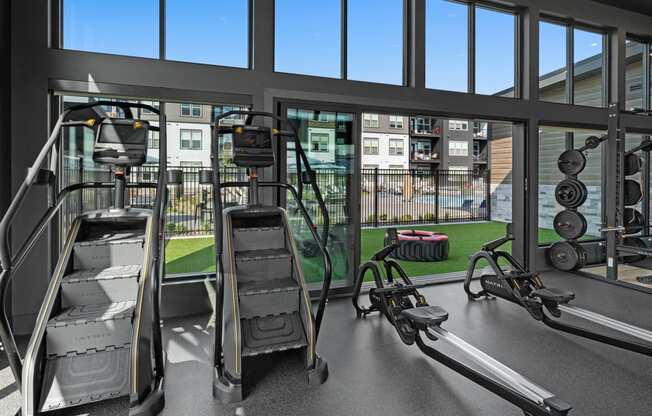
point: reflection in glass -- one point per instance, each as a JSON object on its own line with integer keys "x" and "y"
{"x": 495, "y": 51}
{"x": 193, "y": 28}
{"x": 634, "y": 74}
{"x": 447, "y": 45}
{"x": 307, "y": 38}
{"x": 552, "y": 62}
{"x": 375, "y": 41}
{"x": 588, "y": 68}
{"x": 327, "y": 139}
{"x": 121, "y": 27}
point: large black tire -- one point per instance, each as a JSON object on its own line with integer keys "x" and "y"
{"x": 426, "y": 251}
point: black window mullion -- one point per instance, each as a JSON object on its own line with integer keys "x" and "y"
{"x": 647, "y": 76}
{"x": 471, "y": 41}
{"x": 344, "y": 38}
{"x": 605, "y": 70}
{"x": 161, "y": 29}
{"x": 570, "y": 64}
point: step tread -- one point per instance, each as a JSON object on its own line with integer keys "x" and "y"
{"x": 81, "y": 315}
{"x": 253, "y": 255}
{"x": 127, "y": 238}
{"x": 257, "y": 229}
{"x": 269, "y": 334}
{"x": 108, "y": 273}
{"x": 250, "y": 352}
{"x": 83, "y": 379}
{"x": 257, "y": 287}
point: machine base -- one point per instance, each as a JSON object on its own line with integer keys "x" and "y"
{"x": 224, "y": 390}
{"x": 319, "y": 374}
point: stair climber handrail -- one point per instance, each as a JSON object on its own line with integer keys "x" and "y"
{"x": 10, "y": 264}
{"x": 322, "y": 240}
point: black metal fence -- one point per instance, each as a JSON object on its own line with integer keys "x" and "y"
{"x": 405, "y": 197}
{"x": 388, "y": 197}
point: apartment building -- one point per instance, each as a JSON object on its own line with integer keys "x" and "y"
{"x": 385, "y": 141}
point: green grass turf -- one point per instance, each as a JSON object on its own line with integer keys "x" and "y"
{"x": 197, "y": 255}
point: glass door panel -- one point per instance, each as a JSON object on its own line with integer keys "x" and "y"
{"x": 327, "y": 139}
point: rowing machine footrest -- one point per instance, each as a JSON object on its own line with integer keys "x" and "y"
{"x": 553, "y": 294}
{"x": 424, "y": 316}
{"x": 558, "y": 407}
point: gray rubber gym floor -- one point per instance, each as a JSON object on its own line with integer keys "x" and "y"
{"x": 373, "y": 373}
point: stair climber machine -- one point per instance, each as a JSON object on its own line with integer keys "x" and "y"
{"x": 262, "y": 300}
{"x": 399, "y": 300}
{"x": 97, "y": 335}
{"x": 515, "y": 283}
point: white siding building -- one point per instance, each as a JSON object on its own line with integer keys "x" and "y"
{"x": 385, "y": 151}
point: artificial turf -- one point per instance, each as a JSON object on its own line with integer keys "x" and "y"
{"x": 184, "y": 255}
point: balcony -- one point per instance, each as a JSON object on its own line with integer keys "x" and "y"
{"x": 480, "y": 158}
{"x": 424, "y": 157}
{"x": 426, "y": 132}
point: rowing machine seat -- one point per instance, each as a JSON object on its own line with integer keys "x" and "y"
{"x": 553, "y": 294}
{"x": 425, "y": 315}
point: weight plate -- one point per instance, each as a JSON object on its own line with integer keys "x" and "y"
{"x": 571, "y": 162}
{"x": 633, "y": 242}
{"x": 633, "y": 164}
{"x": 570, "y": 225}
{"x": 633, "y": 193}
{"x": 633, "y": 221}
{"x": 571, "y": 193}
{"x": 596, "y": 253}
{"x": 567, "y": 256}
{"x": 592, "y": 142}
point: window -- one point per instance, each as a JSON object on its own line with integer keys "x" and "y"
{"x": 634, "y": 76}
{"x": 190, "y": 139}
{"x": 494, "y": 52}
{"x": 458, "y": 148}
{"x": 148, "y": 112}
{"x": 396, "y": 167}
{"x": 232, "y": 119}
{"x": 153, "y": 140}
{"x": 370, "y": 121}
{"x": 423, "y": 125}
{"x": 447, "y": 45}
{"x": 190, "y": 164}
{"x": 307, "y": 37}
{"x": 395, "y": 147}
{"x": 458, "y": 125}
{"x": 190, "y": 110}
{"x": 395, "y": 122}
{"x": 319, "y": 142}
{"x": 370, "y": 147}
{"x": 375, "y": 40}
{"x": 588, "y": 68}
{"x": 91, "y": 26}
{"x": 481, "y": 129}
{"x": 553, "y": 68}
{"x": 369, "y": 166}
{"x": 459, "y": 168}
{"x": 193, "y": 26}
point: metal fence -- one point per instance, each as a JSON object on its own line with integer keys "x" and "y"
{"x": 405, "y": 197}
{"x": 388, "y": 197}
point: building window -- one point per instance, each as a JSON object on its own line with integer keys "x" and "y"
{"x": 370, "y": 147}
{"x": 495, "y": 45}
{"x": 461, "y": 169}
{"x": 589, "y": 71}
{"x": 395, "y": 147}
{"x": 458, "y": 148}
{"x": 319, "y": 142}
{"x": 148, "y": 112}
{"x": 370, "y": 120}
{"x": 369, "y": 166}
{"x": 395, "y": 122}
{"x": 190, "y": 110}
{"x": 458, "y": 125}
{"x": 153, "y": 140}
{"x": 190, "y": 139}
{"x": 396, "y": 167}
{"x": 553, "y": 67}
{"x": 481, "y": 129}
{"x": 423, "y": 125}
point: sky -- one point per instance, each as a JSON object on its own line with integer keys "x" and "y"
{"x": 307, "y": 38}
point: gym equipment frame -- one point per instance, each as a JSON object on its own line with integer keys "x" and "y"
{"x": 524, "y": 288}
{"x": 400, "y": 301}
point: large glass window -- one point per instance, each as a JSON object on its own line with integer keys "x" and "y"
{"x": 307, "y": 37}
{"x": 395, "y": 147}
{"x": 370, "y": 120}
{"x": 494, "y": 52}
{"x": 553, "y": 68}
{"x": 206, "y": 31}
{"x": 121, "y": 27}
{"x": 375, "y": 41}
{"x": 190, "y": 139}
{"x": 370, "y": 146}
{"x": 588, "y": 68}
{"x": 634, "y": 78}
{"x": 447, "y": 45}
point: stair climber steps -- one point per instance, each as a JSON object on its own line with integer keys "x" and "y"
{"x": 100, "y": 286}
{"x": 258, "y": 238}
{"x": 268, "y": 297}
{"x": 269, "y": 334}
{"x": 261, "y": 264}
{"x": 89, "y": 328}
{"x": 87, "y": 378}
{"x": 115, "y": 250}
